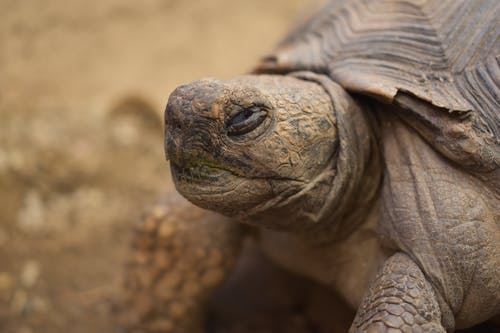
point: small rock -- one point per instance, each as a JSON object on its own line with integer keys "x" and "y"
{"x": 30, "y": 273}
{"x": 158, "y": 212}
{"x": 166, "y": 230}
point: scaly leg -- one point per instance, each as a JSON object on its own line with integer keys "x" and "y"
{"x": 180, "y": 254}
{"x": 399, "y": 300}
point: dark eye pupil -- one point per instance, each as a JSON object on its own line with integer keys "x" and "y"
{"x": 242, "y": 116}
{"x": 245, "y": 121}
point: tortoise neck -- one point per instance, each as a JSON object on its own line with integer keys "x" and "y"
{"x": 355, "y": 186}
{"x": 341, "y": 196}
{"x": 351, "y": 196}
{"x": 351, "y": 200}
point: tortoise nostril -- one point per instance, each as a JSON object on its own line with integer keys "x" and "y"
{"x": 268, "y": 64}
{"x": 172, "y": 120}
{"x": 270, "y": 59}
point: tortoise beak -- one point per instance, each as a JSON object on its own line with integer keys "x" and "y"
{"x": 192, "y": 116}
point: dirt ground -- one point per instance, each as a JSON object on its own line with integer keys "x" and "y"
{"x": 82, "y": 89}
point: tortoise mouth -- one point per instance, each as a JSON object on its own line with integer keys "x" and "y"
{"x": 201, "y": 179}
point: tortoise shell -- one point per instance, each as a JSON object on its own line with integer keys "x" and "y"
{"x": 436, "y": 60}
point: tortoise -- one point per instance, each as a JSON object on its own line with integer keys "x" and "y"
{"x": 363, "y": 153}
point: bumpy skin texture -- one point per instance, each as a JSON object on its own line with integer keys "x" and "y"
{"x": 236, "y": 174}
{"x": 400, "y": 300}
{"x": 180, "y": 254}
{"x": 446, "y": 219}
{"x": 310, "y": 159}
{"x": 177, "y": 257}
{"x": 323, "y": 200}
{"x": 407, "y": 184}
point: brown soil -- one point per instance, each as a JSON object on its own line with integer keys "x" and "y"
{"x": 82, "y": 88}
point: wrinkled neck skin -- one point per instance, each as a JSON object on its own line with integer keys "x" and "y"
{"x": 343, "y": 195}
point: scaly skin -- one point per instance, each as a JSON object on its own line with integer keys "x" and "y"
{"x": 291, "y": 172}
{"x": 180, "y": 255}
{"x": 297, "y": 155}
{"x": 399, "y": 300}
{"x": 446, "y": 219}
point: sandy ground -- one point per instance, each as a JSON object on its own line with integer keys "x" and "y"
{"x": 82, "y": 88}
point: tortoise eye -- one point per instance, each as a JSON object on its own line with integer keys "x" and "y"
{"x": 246, "y": 121}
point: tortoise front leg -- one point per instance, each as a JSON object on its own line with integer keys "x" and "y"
{"x": 180, "y": 254}
{"x": 399, "y": 300}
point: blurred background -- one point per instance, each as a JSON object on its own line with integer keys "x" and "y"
{"x": 82, "y": 90}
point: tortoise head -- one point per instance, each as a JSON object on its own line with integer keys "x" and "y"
{"x": 256, "y": 146}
